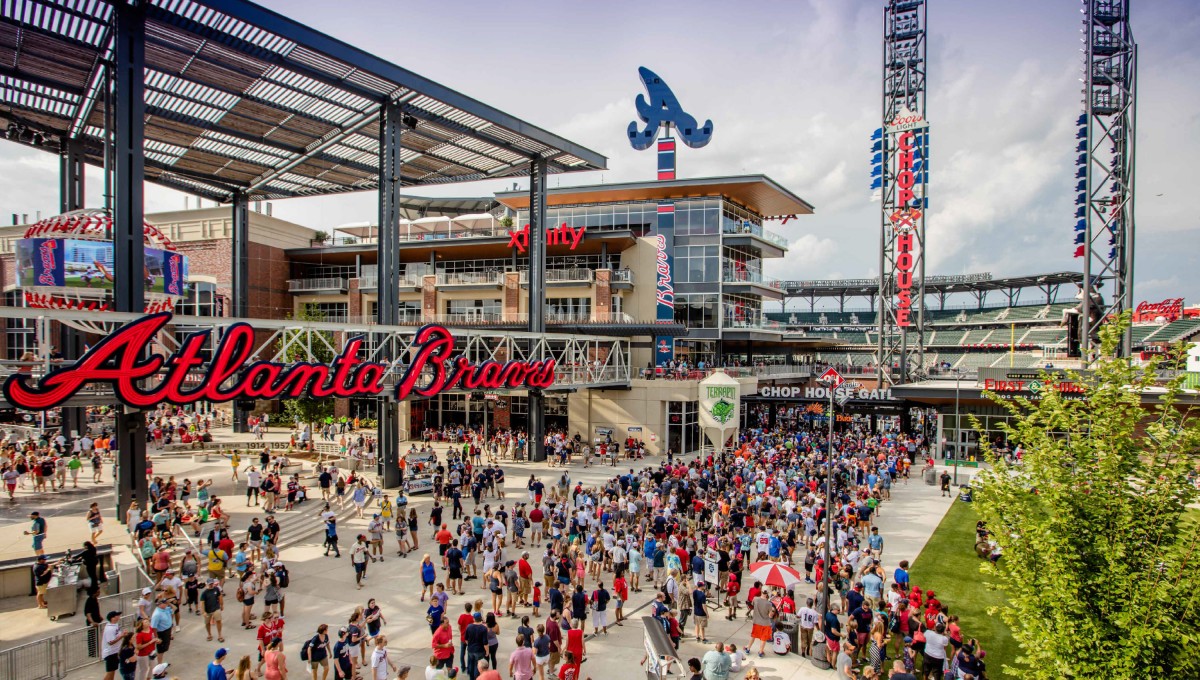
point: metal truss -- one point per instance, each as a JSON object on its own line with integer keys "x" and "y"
{"x": 582, "y": 362}
{"x": 1105, "y": 197}
{"x": 900, "y": 351}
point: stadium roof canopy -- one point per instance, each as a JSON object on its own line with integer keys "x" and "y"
{"x": 241, "y": 99}
{"x": 960, "y": 283}
{"x": 758, "y": 193}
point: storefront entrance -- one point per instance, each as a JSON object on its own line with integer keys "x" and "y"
{"x": 683, "y": 427}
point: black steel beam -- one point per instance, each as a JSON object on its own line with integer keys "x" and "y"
{"x": 537, "y": 298}
{"x": 71, "y": 194}
{"x": 128, "y": 221}
{"x": 388, "y": 307}
{"x": 240, "y": 289}
{"x": 71, "y": 175}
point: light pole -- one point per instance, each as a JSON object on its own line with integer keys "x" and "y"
{"x": 957, "y": 423}
{"x": 828, "y": 510}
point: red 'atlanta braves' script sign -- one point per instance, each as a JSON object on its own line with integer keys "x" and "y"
{"x": 121, "y": 360}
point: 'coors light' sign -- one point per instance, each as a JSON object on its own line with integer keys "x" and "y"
{"x": 122, "y": 360}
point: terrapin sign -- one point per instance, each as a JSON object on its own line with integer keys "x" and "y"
{"x": 124, "y": 361}
{"x": 719, "y": 406}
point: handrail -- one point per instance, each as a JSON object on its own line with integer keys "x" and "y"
{"x": 751, "y": 229}
{"x": 621, "y": 276}
{"x": 326, "y": 283}
{"x": 470, "y": 278}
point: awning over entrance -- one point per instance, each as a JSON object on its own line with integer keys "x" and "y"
{"x": 241, "y": 99}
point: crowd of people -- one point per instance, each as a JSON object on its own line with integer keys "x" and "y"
{"x": 518, "y": 582}
{"x": 579, "y": 551}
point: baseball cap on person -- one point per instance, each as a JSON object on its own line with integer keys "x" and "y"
{"x": 160, "y": 671}
{"x": 113, "y": 614}
{"x": 221, "y": 653}
{"x": 147, "y": 591}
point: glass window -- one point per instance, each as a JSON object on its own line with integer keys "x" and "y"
{"x": 569, "y": 307}
{"x": 201, "y": 300}
{"x": 487, "y": 309}
{"x": 20, "y": 334}
{"x": 328, "y": 311}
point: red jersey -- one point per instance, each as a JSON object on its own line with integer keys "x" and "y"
{"x": 464, "y": 620}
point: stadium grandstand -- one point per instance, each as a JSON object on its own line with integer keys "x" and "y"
{"x": 972, "y": 321}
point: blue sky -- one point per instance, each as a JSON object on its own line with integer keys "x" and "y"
{"x": 793, "y": 91}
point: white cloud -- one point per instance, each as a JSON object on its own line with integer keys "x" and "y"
{"x": 793, "y": 90}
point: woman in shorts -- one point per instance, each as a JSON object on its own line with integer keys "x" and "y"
{"x": 95, "y": 520}
{"x": 428, "y": 576}
{"x": 402, "y": 545}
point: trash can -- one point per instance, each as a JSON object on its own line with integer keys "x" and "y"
{"x": 930, "y": 476}
{"x": 964, "y": 493}
{"x": 790, "y": 628}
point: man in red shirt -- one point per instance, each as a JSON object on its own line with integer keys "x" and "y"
{"x": 443, "y": 538}
{"x": 621, "y": 589}
{"x": 465, "y": 619}
{"x": 268, "y": 630}
{"x": 525, "y": 579}
{"x": 226, "y": 544}
{"x": 443, "y": 645}
{"x": 554, "y": 632}
{"x": 536, "y": 516}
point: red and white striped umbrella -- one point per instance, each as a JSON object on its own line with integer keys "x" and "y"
{"x": 774, "y": 574}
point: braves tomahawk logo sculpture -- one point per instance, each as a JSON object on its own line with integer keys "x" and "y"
{"x": 663, "y": 108}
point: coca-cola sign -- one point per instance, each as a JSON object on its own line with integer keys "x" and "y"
{"x": 1170, "y": 309}
{"x": 141, "y": 379}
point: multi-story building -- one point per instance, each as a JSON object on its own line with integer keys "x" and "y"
{"x": 465, "y": 264}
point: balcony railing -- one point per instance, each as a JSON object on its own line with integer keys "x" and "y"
{"x": 752, "y": 324}
{"x": 574, "y": 275}
{"x": 763, "y": 370}
{"x": 754, "y": 230}
{"x": 470, "y": 278}
{"x": 334, "y": 241}
{"x": 731, "y": 274}
{"x": 622, "y": 276}
{"x": 501, "y": 319}
{"x": 310, "y": 285}
{"x": 371, "y": 281}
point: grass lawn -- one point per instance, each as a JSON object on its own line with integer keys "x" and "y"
{"x": 949, "y": 566}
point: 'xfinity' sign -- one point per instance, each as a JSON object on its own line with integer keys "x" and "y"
{"x": 797, "y": 392}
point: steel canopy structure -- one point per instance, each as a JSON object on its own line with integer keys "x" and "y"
{"x": 978, "y": 285}
{"x": 239, "y": 99}
{"x": 233, "y": 102}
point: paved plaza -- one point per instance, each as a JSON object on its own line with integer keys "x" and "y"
{"x": 322, "y": 588}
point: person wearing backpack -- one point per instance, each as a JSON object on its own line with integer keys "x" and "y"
{"x": 316, "y": 652}
{"x": 217, "y": 559}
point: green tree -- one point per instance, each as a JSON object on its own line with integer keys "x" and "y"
{"x": 317, "y": 347}
{"x": 1100, "y": 556}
